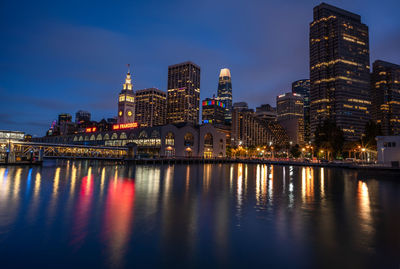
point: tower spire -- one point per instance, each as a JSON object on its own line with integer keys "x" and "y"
{"x": 129, "y": 68}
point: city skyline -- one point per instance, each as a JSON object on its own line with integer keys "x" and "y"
{"x": 45, "y": 74}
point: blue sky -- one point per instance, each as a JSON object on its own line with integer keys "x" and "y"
{"x": 62, "y": 56}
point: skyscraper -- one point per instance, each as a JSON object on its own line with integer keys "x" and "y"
{"x": 385, "y": 93}
{"x": 339, "y": 70}
{"x": 126, "y": 99}
{"x": 150, "y": 107}
{"x": 64, "y": 117}
{"x": 302, "y": 87}
{"x": 183, "y": 93}
{"x": 224, "y": 93}
{"x": 290, "y": 111}
{"x": 82, "y": 116}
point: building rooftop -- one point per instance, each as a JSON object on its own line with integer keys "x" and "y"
{"x": 225, "y": 72}
{"x": 386, "y": 64}
{"x": 336, "y": 10}
{"x": 183, "y": 63}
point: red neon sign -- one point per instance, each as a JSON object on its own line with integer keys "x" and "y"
{"x": 123, "y": 126}
{"x": 91, "y": 130}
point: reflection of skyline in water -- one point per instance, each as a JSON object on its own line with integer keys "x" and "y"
{"x": 175, "y": 210}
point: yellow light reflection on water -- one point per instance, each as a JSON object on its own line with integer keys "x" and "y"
{"x": 261, "y": 183}
{"x": 17, "y": 182}
{"x": 206, "y": 177}
{"x": 73, "y": 180}
{"x": 307, "y": 184}
{"x": 103, "y": 178}
{"x": 37, "y": 184}
{"x": 322, "y": 176}
{"x": 56, "y": 181}
{"x": 364, "y": 201}
{"x": 187, "y": 178}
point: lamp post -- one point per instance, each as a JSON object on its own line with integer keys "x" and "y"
{"x": 363, "y": 154}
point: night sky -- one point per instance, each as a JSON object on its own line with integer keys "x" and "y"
{"x": 62, "y": 56}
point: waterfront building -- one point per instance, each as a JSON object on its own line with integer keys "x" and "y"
{"x": 224, "y": 93}
{"x": 6, "y": 144}
{"x": 171, "y": 140}
{"x": 339, "y": 70}
{"x": 266, "y": 112}
{"x": 213, "y": 111}
{"x": 388, "y": 148}
{"x": 10, "y": 136}
{"x": 290, "y": 114}
{"x": 82, "y": 116}
{"x": 150, "y": 107}
{"x": 126, "y": 101}
{"x": 249, "y": 130}
{"x": 302, "y": 87}
{"x": 385, "y": 93}
{"x": 183, "y": 100}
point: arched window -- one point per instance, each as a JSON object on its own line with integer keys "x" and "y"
{"x": 170, "y": 139}
{"x": 75, "y": 138}
{"x": 92, "y": 138}
{"x": 208, "y": 140}
{"x": 143, "y": 134}
{"x": 114, "y": 136}
{"x": 106, "y": 137}
{"x": 188, "y": 140}
{"x": 86, "y": 138}
{"x": 123, "y": 136}
{"x": 155, "y": 134}
{"x": 81, "y": 138}
{"x": 99, "y": 137}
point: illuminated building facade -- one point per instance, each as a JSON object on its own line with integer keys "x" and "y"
{"x": 302, "y": 87}
{"x": 290, "y": 114}
{"x": 183, "y": 102}
{"x": 171, "y": 140}
{"x": 213, "y": 111}
{"x": 150, "y": 107}
{"x": 224, "y": 93}
{"x": 126, "y": 102}
{"x": 249, "y": 130}
{"x": 385, "y": 93}
{"x": 339, "y": 70}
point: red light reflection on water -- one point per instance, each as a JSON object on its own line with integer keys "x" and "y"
{"x": 82, "y": 211}
{"x": 118, "y": 216}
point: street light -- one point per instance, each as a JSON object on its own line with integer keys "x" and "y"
{"x": 363, "y": 154}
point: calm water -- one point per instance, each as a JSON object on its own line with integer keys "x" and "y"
{"x": 96, "y": 215}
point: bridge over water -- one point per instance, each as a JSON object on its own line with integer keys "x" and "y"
{"x": 21, "y": 151}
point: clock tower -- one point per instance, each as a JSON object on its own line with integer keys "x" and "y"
{"x": 126, "y": 101}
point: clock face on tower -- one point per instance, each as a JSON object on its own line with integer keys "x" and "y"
{"x": 120, "y": 113}
{"x": 129, "y": 113}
